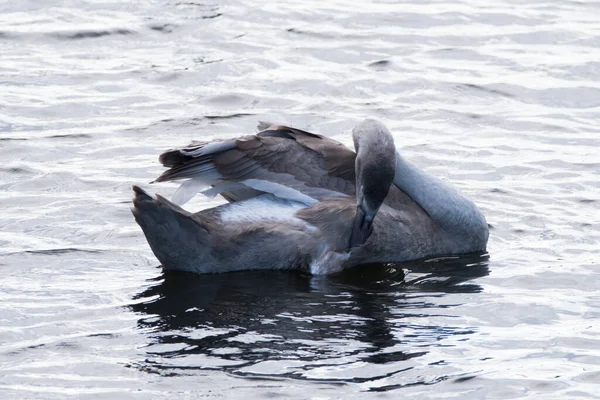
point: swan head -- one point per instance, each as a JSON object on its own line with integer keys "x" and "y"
{"x": 375, "y": 168}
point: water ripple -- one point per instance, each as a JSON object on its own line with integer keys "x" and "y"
{"x": 500, "y": 99}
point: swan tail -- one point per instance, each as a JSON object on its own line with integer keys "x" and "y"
{"x": 177, "y": 238}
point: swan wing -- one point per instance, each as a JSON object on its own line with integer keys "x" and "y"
{"x": 289, "y": 163}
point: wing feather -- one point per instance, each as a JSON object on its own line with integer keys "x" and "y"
{"x": 288, "y": 160}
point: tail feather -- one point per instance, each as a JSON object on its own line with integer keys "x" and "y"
{"x": 193, "y": 160}
{"x": 173, "y": 158}
{"x": 195, "y": 163}
{"x": 188, "y": 190}
{"x": 178, "y": 240}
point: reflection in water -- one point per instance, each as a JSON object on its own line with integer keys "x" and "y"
{"x": 286, "y": 324}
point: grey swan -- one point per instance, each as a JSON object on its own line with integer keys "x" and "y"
{"x": 299, "y": 200}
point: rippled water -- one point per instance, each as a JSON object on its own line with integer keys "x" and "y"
{"x": 501, "y": 98}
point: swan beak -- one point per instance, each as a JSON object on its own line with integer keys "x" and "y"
{"x": 361, "y": 227}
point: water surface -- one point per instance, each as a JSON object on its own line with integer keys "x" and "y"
{"x": 500, "y": 98}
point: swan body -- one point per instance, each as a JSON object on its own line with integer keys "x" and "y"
{"x": 304, "y": 201}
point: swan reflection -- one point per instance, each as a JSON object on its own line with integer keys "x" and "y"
{"x": 278, "y": 323}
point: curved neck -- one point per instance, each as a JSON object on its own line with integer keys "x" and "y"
{"x": 453, "y": 212}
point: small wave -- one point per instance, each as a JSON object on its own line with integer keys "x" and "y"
{"x": 17, "y": 170}
{"x": 319, "y": 35}
{"x": 211, "y": 11}
{"x": 380, "y": 64}
{"x": 59, "y": 251}
{"x": 227, "y": 116}
{"x": 164, "y": 28}
{"x": 484, "y": 89}
{"x": 91, "y": 34}
{"x": 70, "y": 136}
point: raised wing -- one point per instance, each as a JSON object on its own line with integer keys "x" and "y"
{"x": 287, "y": 162}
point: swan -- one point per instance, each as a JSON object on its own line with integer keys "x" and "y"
{"x": 298, "y": 200}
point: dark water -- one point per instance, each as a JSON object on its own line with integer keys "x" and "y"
{"x": 282, "y": 324}
{"x": 500, "y": 98}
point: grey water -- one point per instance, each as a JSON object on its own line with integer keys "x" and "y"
{"x": 501, "y": 98}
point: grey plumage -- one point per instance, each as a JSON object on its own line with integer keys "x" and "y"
{"x": 311, "y": 164}
{"x": 294, "y": 198}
